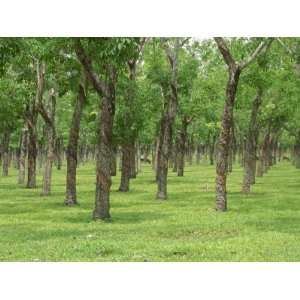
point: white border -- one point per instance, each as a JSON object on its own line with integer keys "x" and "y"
{"x": 149, "y": 281}
{"x": 149, "y": 18}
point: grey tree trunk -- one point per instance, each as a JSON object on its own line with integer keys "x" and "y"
{"x": 49, "y": 117}
{"x": 5, "y": 152}
{"x": 72, "y": 148}
{"x": 126, "y": 167}
{"x": 103, "y": 177}
{"x": 23, "y": 153}
{"x": 224, "y": 140}
{"x": 182, "y": 146}
{"x": 234, "y": 71}
{"x": 167, "y": 120}
{"x": 251, "y": 145}
{"x": 106, "y": 90}
{"x": 31, "y": 118}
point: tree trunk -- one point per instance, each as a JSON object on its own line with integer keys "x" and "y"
{"x": 132, "y": 160}
{"x": 5, "y": 153}
{"x": 126, "y": 168}
{"x": 104, "y": 144}
{"x": 182, "y": 146}
{"x": 72, "y": 148}
{"x": 32, "y": 154}
{"x": 251, "y": 145}
{"x": 212, "y": 150}
{"x": 167, "y": 120}
{"x": 224, "y": 140}
{"x": 32, "y": 114}
{"x": 50, "y": 133}
{"x": 163, "y": 156}
{"x": 113, "y": 161}
{"x": 58, "y": 152}
{"x": 23, "y": 153}
{"x": 175, "y": 155}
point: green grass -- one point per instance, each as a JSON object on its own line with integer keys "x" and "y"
{"x": 263, "y": 226}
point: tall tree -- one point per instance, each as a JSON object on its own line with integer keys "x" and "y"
{"x": 31, "y": 116}
{"x": 234, "y": 70}
{"x": 168, "y": 117}
{"x": 130, "y": 134}
{"x": 114, "y": 54}
{"x": 72, "y": 148}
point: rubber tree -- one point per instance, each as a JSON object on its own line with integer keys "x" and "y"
{"x": 168, "y": 117}
{"x": 129, "y": 136}
{"x": 48, "y": 115}
{"x": 113, "y": 53}
{"x": 234, "y": 71}
{"x": 23, "y": 153}
{"x": 31, "y": 116}
{"x": 251, "y": 145}
{"x": 72, "y": 147}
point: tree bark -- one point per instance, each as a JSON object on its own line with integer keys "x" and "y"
{"x": 105, "y": 90}
{"x": 58, "y": 152}
{"x": 23, "y": 153}
{"x": 72, "y": 148}
{"x": 126, "y": 168}
{"x": 234, "y": 70}
{"x": 167, "y": 121}
{"x": 49, "y": 118}
{"x": 224, "y": 140}
{"x": 182, "y": 146}
{"x": 31, "y": 118}
{"x": 104, "y": 144}
{"x": 175, "y": 154}
{"x": 32, "y": 154}
{"x": 251, "y": 145}
{"x": 5, "y": 152}
{"x": 113, "y": 161}
{"x": 212, "y": 150}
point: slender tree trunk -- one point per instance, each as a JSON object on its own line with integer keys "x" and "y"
{"x": 163, "y": 156}
{"x": 168, "y": 118}
{"x": 72, "y": 148}
{"x": 113, "y": 161}
{"x": 49, "y": 118}
{"x": 251, "y": 145}
{"x": 32, "y": 114}
{"x": 5, "y": 153}
{"x": 182, "y": 146}
{"x": 224, "y": 140}
{"x": 23, "y": 153}
{"x": 138, "y": 158}
{"x": 59, "y": 152}
{"x": 265, "y": 152}
{"x": 47, "y": 177}
{"x": 103, "y": 178}
{"x": 32, "y": 154}
{"x": 212, "y": 151}
{"x": 175, "y": 155}
{"x": 132, "y": 160}
{"x": 126, "y": 168}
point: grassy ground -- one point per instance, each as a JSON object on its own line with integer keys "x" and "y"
{"x": 264, "y": 226}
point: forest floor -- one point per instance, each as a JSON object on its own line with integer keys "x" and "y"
{"x": 263, "y": 226}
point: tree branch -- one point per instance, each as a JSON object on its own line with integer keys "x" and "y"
{"x": 263, "y": 45}
{"x": 98, "y": 84}
{"x": 287, "y": 49}
{"x": 40, "y": 72}
{"x": 225, "y": 52}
